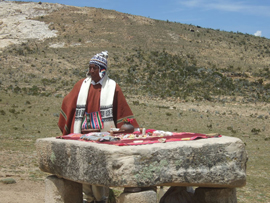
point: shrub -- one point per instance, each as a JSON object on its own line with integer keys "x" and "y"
{"x": 2, "y": 112}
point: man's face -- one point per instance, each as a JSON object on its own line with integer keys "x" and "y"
{"x": 94, "y": 72}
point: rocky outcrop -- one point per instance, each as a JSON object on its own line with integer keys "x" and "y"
{"x": 213, "y": 162}
{"x": 16, "y": 25}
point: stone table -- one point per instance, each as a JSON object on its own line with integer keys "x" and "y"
{"x": 214, "y": 164}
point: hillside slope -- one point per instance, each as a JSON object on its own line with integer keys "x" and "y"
{"x": 177, "y": 60}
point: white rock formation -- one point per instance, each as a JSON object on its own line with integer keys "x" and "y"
{"x": 16, "y": 25}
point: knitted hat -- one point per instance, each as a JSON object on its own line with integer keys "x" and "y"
{"x": 101, "y": 61}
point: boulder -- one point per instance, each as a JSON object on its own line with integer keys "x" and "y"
{"x": 148, "y": 196}
{"x": 62, "y": 190}
{"x": 214, "y": 195}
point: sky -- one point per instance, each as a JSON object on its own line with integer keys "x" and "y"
{"x": 245, "y": 16}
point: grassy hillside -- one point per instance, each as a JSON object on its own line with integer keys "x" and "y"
{"x": 191, "y": 78}
{"x": 156, "y": 58}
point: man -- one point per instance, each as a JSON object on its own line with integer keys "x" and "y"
{"x": 96, "y": 93}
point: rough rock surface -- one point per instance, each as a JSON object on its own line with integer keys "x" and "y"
{"x": 213, "y": 162}
{"x": 61, "y": 190}
{"x": 213, "y": 195}
{"x": 149, "y": 196}
{"x": 16, "y": 25}
{"x": 202, "y": 195}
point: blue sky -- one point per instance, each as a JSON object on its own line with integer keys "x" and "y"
{"x": 246, "y": 16}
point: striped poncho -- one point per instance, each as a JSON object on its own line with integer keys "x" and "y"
{"x": 120, "y": 107}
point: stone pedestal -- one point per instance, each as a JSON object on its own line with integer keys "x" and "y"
{"x": 215, "y": 195}
{"x": 201, "y": 195}
{"x": 178, "y": 194}
{"x": 215, "y": 165}
{"x": 148, "y": 196}
{"x": 59, "y": 190}
{"x": 214, "y": 162}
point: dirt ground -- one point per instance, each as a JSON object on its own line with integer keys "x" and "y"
{"x": 25, "y": 191}
{"x": 22, "y": 167}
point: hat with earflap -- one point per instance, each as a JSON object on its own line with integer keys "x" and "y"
{"x": 101, "y": 61}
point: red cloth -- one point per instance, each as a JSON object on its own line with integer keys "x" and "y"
{"x": 183, "y": 136}
{"x": 121, "y": 108}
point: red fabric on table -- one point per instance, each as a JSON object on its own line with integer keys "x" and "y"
{"x": 184, "y": 136}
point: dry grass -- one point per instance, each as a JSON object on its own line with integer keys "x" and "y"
{"x": 20, "y": 130}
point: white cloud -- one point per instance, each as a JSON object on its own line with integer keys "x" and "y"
{"x": 258, "y": 33}
{"x": 228, "y": 5}
{"x": 191, "y": 3}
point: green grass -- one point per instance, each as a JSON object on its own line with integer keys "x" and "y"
{"x": 26, "y": 119}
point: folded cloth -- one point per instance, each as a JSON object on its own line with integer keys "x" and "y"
{"x": 101, "y": 137}
{"x": 72, "y": 136}
{"x": 150, "y": 130}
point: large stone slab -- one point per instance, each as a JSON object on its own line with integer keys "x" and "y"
{"x": 213, "y": 162}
